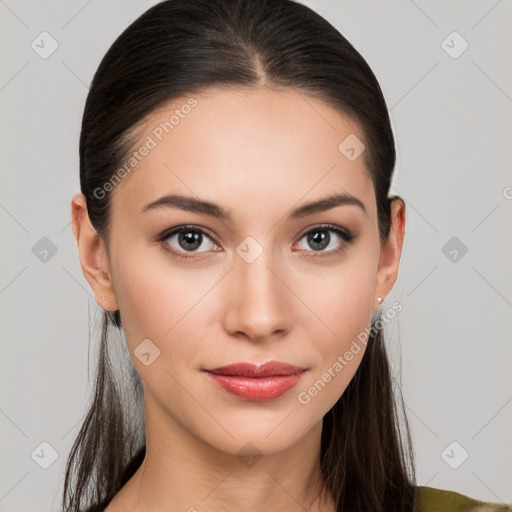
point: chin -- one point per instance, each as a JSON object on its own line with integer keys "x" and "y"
{"x": 256, "y": 435}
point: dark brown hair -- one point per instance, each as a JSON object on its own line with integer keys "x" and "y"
{"x": 182, "y": 47}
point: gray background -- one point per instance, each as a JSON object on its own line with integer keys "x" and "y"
{"x": 453, "y": 126}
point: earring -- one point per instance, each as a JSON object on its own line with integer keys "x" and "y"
{"x": 102, "y": 297}
{"x": 380, "y": 300}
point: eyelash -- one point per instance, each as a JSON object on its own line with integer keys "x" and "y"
{"x": 345, "y": 235}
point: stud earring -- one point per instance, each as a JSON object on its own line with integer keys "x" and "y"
{"x": 380, "y": 300}
{"x": 102, "y": 297}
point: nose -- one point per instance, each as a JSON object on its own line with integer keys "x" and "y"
{"x": 258, "y": 304}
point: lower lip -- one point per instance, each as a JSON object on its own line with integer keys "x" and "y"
{"x": 261, "y": 389}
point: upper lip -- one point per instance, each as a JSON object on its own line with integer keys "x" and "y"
{"x": 254, "y": 370}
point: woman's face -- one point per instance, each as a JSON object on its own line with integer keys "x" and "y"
{"x": 256, "y": 285}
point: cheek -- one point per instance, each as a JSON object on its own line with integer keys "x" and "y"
{"x": 161, "y": 302}
{"x": 343, "y": 302}
{"x": 342, "y": 298}
{"x": 145, "y": 297}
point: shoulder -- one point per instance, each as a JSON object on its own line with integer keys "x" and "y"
{"x": 430, "y": 499}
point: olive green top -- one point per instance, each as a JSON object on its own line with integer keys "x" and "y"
{"x": 430, "y": 499}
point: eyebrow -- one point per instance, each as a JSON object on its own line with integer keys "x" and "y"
{"x": 192, "y": 204}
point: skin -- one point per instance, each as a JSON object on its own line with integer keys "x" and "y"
{"x": 257, "y": 154}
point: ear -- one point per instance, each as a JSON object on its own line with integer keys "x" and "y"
{"x": 391, "y": 250}
{"x": 93, "y": 255}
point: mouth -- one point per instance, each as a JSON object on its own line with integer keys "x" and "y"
{"x": 256, "y": 382}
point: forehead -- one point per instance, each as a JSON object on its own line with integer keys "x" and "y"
{"x": 250, "y": 150}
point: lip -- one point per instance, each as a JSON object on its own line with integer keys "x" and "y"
{"x": 257, "y": 383}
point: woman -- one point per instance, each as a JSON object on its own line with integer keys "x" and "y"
{"x": 235, "y": 226}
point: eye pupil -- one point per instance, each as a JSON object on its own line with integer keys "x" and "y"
{"x": 191, "y": 238}
{"x": 322, "y": 240}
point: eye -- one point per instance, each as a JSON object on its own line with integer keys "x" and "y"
{"x": 185, "y": 239}
{"x": 188, "y": 239}
{"x": 320, "y": 238}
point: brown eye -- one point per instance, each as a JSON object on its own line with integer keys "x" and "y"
{"x": 327, "y": 237}
{"x": 318, "y": 239}
{"x": 190, "y": 240}
{"x": 186, "y": 239}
